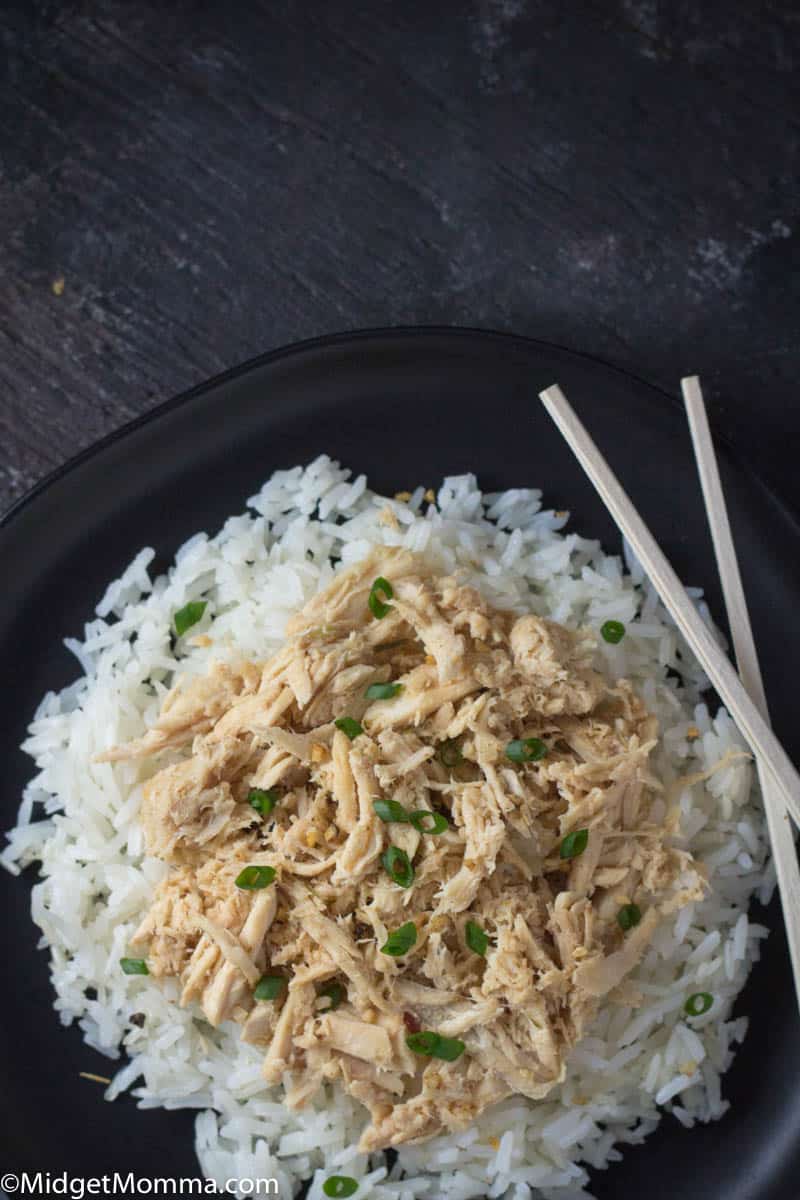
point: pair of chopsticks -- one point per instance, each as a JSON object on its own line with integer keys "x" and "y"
{"x": 743, "y": 694}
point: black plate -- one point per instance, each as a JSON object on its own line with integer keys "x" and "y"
{"x": 407, "y": 407}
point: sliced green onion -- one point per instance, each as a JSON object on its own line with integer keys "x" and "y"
{"x": 134, "y": 966}
{"x": 433, "y": 1045}
{"x": 381, "y": 587}
{"x": 398, "y": 866}
{"x": 390, "y": 811}
{"x": 428, "y": 822}
{"x": 349, "y": 726}
{"x": 334, "y": 993}
{"x": 253, "y": 879}
{"x": 526, "y": 750}
{"x": 269, "y": 987}
{"x": 628, "y": 916}
{"x": 340, "y": 1185}
{"x": 263, "y": 800}
{"x": 476, "y": 938}
{"x": 383, "y": 691}
{"x": 449, "y": 753}
{"x": 574, "y": 843}
{"x": 400, "y": 941}
{"x": 422, "y": 1042}
{"x": 189, "y": 615}
{"x": 612, "y": 631}
{"x": 698, "y": 1004}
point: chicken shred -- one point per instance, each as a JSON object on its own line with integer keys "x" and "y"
{"x": 473, "y": 679}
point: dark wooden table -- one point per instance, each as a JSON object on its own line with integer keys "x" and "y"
{"x": 186, "y": 184}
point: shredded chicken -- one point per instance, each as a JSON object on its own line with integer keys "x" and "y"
{"x": 473, "y": 680}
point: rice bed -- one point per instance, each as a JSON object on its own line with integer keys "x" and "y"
{"x": 79, "y": 820}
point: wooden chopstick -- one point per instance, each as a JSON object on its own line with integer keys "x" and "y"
{"x": 780, "y": 832}
{"x": 673, "y": 595}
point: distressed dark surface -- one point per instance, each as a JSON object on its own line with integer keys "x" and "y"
{"x": 214, "y": 180}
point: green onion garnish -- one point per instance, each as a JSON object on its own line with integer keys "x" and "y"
{"x": 269, "y": 987}
{"x": 189, "y": 615}
{"x": 398, "y": 866}
{"x": 263, "y": 800}
{"x": 381, "y": 587}
{"x": 526, "y": 750}
{"x": 400, "y": 941}
{"x": 349, "y": 726}
{"x": 390, "y": 811}
{"x": 340, "y": 1185}
{"x": 698, "y": 1004}
{"x": 574, "y": 843}
{"x": 476, "y": 938}
{"x": 433, "y": 1045}
{"x": 252, "y": 879}
{"x": 383, "y": 691}
{"x": 612, "y": 631}
{"x": 334, "y": 993}
{"x": 449, "y": 753}
{"x": 628, "y": 916}
{"x": 134, "y": 966}
{"x": 428, "y": 822}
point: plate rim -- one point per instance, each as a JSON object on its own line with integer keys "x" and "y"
{"x": 323, "y": 341}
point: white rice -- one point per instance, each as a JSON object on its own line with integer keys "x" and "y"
{"x": 633, "y": 1066}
